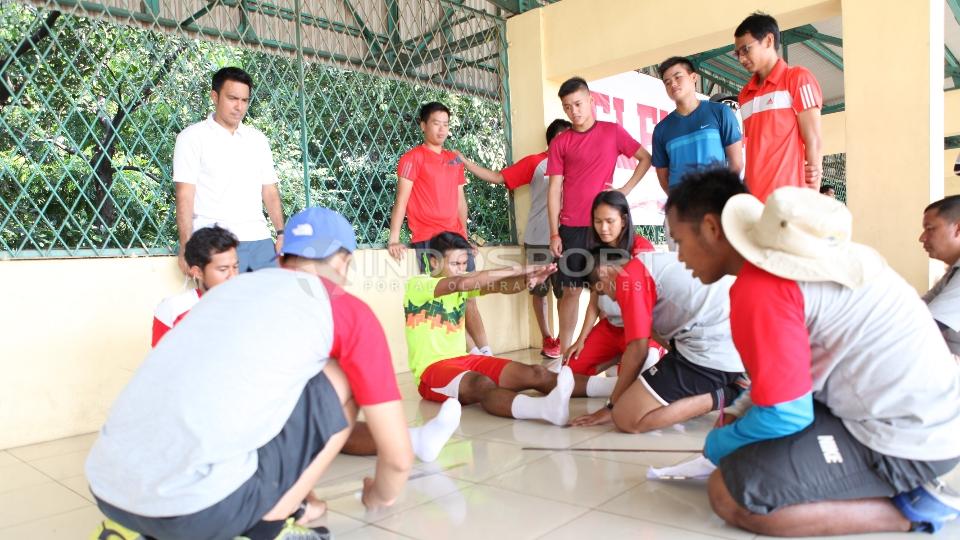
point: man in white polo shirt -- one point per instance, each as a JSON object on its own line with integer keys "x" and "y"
{"x": 224, "y": 175}
{"x": 941, "y": 240}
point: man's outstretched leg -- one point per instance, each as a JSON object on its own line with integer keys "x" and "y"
{"x": 427, "y": 440}
{"x": 494, "y": 383}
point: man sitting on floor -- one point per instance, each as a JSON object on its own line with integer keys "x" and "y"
{"x": 231, "y": 420}
{"x": 434, "y": 305}
{"x": 855, "y": 394}
{"x": 700, "y": 373}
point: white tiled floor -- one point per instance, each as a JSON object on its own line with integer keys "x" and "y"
{"x": 484, "y": 485}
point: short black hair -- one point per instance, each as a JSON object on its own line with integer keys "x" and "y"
{"x": 759, "y": 24}
{"x": 825, "y": 188}
{"x": 206, "y": 242}
{"x": 703, "y": 192}
{"x": 446, "y": 241}
{"x": 948, "y": 208}
{"x": 429, "y": 108}
{"x": 571, "y": 85}
{"x": 231, "y": 74}
{"x": 557, "y": 127}
{"x": 673, "y": 61}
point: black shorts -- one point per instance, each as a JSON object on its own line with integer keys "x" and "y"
{"x": 422, "y": 252}
{"x": 574, "y": 266}
{"x": 674, "y": 377}
{"x": 541, "y": 255}
{"x": 316, "y": 418}
{"x": 824, "y": 462}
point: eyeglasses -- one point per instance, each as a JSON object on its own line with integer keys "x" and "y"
{"x": 743, "y": 50}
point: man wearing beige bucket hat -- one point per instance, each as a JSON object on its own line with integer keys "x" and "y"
{"x": 856, "y": 399}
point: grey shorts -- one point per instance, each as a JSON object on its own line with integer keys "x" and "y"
{"x": 824, "y": 462}
{"x": 256, "y": 254}
{"x": 541, "y": 255}
{"x": 316, "y": 418}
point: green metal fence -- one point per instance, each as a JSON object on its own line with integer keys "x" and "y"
{"x": 92, "y": 96}
{"x": 835, "y": 175}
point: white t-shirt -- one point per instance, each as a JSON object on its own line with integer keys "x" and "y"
{"x": 943, "y": 300}
{"x": 222, "y": 398}
{"x": 694, "y": 315}
{"x": 880, "y": 364}
{"x": 229, "y": 171}
{"x": 610, "y": 309}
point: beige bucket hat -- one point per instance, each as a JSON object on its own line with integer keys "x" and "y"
{"x": 800, "y": 235}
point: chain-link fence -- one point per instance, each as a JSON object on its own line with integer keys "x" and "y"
{"x": 92, "y": 96}
{"x": 835, "y": 175}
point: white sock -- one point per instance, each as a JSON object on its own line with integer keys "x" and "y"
{"x": 554, "y": 407}
{"x": 486, "y": 350}
{"x": 429, "y": 438}
{"x": 553, "y": 365}
{"x": 475, "y": 351}
{"x": 600, "y": 386}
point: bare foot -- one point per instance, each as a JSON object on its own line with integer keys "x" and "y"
{"x": 314, "y": 511}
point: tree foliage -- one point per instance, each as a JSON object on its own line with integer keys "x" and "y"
{"x": 89, "y": 112}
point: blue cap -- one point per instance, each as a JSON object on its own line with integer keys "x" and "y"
{"x": 317, "y": 233}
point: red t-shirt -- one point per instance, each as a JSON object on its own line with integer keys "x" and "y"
{"x": 636, "y": 294}
{"x": 360, "y": 347}
{"x": 771, "y": 133}
{"x": 769, "y": 330}
{"x": 521, "y": 172}
{"x": 434, "y": 201}
{"x": 640, "y": 245}
{"x": 586, "y": 161}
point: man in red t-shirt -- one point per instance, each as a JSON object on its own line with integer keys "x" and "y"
{"x": 430, "y": 194}
{"x": 580, "y": 165}
{"x": 536, "y": 239}
{"x": 780, "y": 107}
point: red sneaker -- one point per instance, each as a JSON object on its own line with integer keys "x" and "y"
{"x": 551, "y": 348}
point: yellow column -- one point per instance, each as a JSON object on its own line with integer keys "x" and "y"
{"x": 533, "y": 105}
{"x": 893, "y": 83}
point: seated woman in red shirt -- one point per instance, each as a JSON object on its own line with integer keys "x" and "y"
{"x": 600, "y": 345}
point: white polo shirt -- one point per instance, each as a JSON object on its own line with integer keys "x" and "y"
{"x": 229, "y": 171}
{"x": 943, "y": 300}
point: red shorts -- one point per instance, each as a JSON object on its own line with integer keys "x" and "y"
{"x": 604, "y": 343}
{"x": 439, "y": 374}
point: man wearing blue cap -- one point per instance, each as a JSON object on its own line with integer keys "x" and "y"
{"x": 231, "y": 420}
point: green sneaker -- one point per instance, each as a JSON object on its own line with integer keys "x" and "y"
{"x": 109, "y": 529}
{"x": 292, "y": 531}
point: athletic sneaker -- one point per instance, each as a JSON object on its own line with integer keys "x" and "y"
{"x": 929, "y": 506}
{"x": 292, "y": 531}
{"x": 551, "y": 348}
{"x": 109, "y": 529}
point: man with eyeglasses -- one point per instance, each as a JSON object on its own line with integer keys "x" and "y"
{"x": 780, "y": 107}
